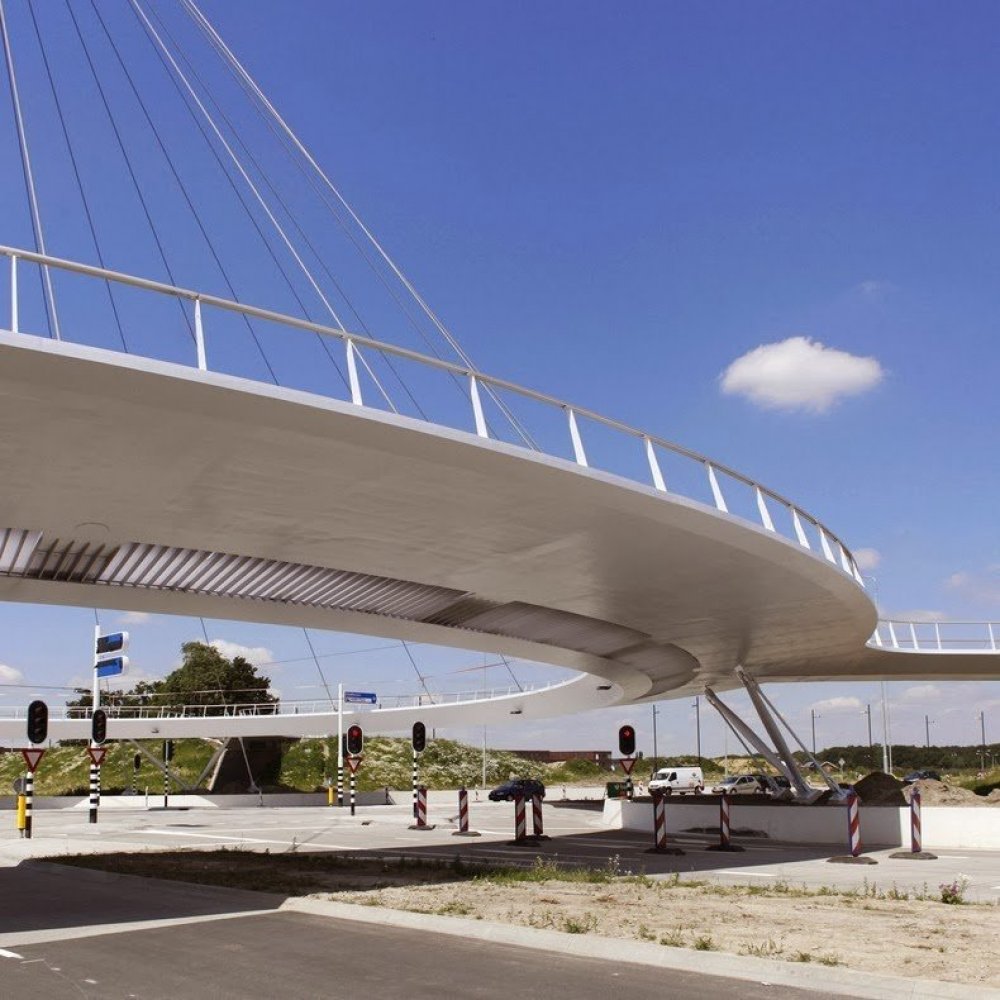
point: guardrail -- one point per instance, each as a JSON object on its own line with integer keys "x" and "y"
{"x": 729, "y": 491}
{"x": 281, "y": 708}
{"x": 936, "y": 637}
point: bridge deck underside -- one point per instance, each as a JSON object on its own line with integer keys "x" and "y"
{"x": 142, "y": 485}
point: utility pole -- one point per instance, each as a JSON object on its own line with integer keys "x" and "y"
{"x": 982, "y": 733}
{"x": 814, "y": 716}
{"x": 655, "y": 754}
{"x": 697, "y": 724}
{"x": 927, "y": 731}
{"x": 886, "y": 758}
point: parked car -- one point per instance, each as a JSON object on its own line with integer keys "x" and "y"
{"x": 777, "y": 786}
{"x": 739, "y": 784}
{"x": 682, "y": 780}
{"x": 921, "y": 776}
{"x": 525, "y": 788}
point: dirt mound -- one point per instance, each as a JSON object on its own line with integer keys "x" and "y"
{"x": 940, "y": 793}
{"x": 880, "y": 789}
{"x": 994, "y": 796}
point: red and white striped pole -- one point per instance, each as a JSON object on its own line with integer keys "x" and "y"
{"x": 853, "y": 825}
{"x": 660, "y": 827}
{"x": 536, "y": 818}
{"x": 915, "y": 831}
{"x": 725, "y": 829}
{"x": 420, "y": 807}
{"x": 519, "y": 829}
{"x": 463, "y": 816}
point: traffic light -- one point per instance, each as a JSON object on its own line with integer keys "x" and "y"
{"x": 626, "y": 740}
{"x": 419, "y": 737}
{"x": 38, "y": 722}
{"x": 99, "y": 726}
{"x": 355, "y": 740}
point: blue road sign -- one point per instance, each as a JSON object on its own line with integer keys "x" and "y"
{"x": 108, "y": 668}
{"x": 361, "y": 697}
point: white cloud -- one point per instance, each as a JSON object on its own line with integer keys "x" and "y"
{"x": 874, "y": 288}
{"x": 837, "y": 705}
{"x": 134, "y": 618}
{"x": 867, "y": 559}
{"x": 257, "y": 655}
{"x": 982, "y": 588}
{"x": 920, "y": 615}
{"x": 799, "y": 374}
{"x": 8, "y": 675}
{"x": 923, "y": 692}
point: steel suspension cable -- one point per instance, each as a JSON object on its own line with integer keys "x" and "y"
{"x": 181, "y": 185}
{"x": 319, "y": 669}
{"x": 128, "y": 164}
{"x": 416, "y": 669}
{"x": 136, "y": 6}
{"x": 29, "y": 179}
{"x": 76, "y": 173}
{"x": 199, "y": 18}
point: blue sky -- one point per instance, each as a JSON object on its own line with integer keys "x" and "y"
{"x": 614, "y": 204}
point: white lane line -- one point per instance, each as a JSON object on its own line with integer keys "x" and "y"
{"x": 245, "y": 840}
{"x": 732, "y": 871}
{"x": 4, "y": 953}
{"x": 953, "y": 857}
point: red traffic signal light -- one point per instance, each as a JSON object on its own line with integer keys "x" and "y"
{"x": 626, "y": 740}
{"x": 419, "y": 737}
{"x": 99, "y": 726}
{"x": 355, "y": 740}
{"x": 38, "y": 722}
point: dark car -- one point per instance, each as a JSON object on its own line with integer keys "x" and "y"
{"x": 921, "y": 776}
{"x": 526, "y": 788}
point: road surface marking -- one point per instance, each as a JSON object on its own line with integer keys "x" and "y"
{"x": 730, "y": 871}
{"x": 245, "y": 840}
{"x": 4, "y": 953}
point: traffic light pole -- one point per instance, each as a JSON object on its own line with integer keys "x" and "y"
{"x": 416, "y": 758}
{"x": 340, "y": 744}
{"x": 95, "y": 704}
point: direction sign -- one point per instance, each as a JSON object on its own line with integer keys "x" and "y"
{"x": 361, "y": 697}
{"x": 627, "y": 764}
{"x": 97, "y": 755}
{"x": 109, "y": 668}
{"x": 354, "y": 763}
{"x": 32, "y": 757}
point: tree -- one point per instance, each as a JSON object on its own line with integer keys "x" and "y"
{"x": 205, "y": 677}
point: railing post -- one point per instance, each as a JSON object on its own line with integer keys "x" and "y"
{"x": 720, "y": 501}
{"x": 892, "y": 636}
{"x": 477, "y": 407}
{"x": 13, "y": 294}
{"x": 993, "y": 641}
{"x": 199, "y": 336}
{"x": 800, "y": 533}
{"x": 825, "y": 545}
{"x": 765, "y": 514}
{"x": 913, "y": 636}
{"x": 352, "y": 374}
{"x": 937, "y": 635}
{"x": 654, "y": 466}
{"x": 574, "y": 433}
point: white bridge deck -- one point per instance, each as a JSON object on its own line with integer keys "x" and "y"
{"x": 149, "y": 485}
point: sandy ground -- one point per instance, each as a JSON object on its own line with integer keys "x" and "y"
{"x": 875, "y": 929}
{"x": 917, "y": 938}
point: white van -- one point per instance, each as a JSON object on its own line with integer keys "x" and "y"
{"x": 682, "y": 780}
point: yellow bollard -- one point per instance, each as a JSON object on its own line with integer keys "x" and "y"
{"x": 329, "y": 795}
{"x": 21, "y": 809}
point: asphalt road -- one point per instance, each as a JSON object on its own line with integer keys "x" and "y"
{"x": 298, "y": 956}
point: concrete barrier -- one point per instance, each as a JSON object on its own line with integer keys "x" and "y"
{"x": 970, "y": 827}
{"x": 178, "y": 801}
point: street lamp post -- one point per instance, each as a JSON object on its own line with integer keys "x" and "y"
{"x": 697, "y": 724}
{"x": 655, "y": 754}
{"x": 814, "y": 716}
{"x": 927, "y": 730}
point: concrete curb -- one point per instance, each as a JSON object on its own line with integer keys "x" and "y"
{"x": 844, "y": 982}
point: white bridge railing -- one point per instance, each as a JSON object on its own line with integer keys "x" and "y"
{"x": 280, "y": 708}
{"x": 671, "y": 468}
{"x": 937, "y": 637}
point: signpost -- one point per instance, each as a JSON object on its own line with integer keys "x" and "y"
{"x": 354, "y": 762}
{"x": 419, "y": 744}
{"x": 361, "y": 697}
{"x": 109, "y": 661}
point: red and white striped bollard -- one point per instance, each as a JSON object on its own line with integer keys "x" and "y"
{"x": 463, "y": 816}
{"x": 421, "y": 817}
{"x": 853, "y": 825}
{"x": 519, "y": 825}
{"x": 538, "y": 831}
{"x": 725, "y": 830}
{"x": 660, "y": 827}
